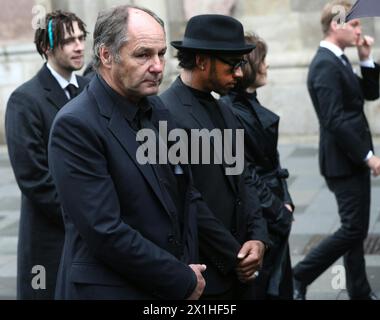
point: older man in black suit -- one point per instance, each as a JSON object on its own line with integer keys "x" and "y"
{"x": 346, "y": 151}
{"x": 29, "y": 115}
{"x": 131, "y": 228}
{"x": 211, "y": 56}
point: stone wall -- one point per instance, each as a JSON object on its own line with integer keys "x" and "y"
{"x": 18, "y": 58}
{"x": 292, "y": 30}
{"x": 290, "y": 27}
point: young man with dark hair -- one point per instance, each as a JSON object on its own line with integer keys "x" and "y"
{"x": 29, "y": 115}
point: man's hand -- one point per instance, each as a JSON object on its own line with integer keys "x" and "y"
{"x": 289, "y": 207}
{"x": 201, "y": 283}
{"x": 251, "y": 258}
{"x": 364, "y": 46}
{"x": 374, "y": 164}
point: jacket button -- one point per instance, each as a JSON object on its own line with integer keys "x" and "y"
{"x": 238, "y": 202}
{"x": 171, "y": 238}
{"x": 177, "y": 243}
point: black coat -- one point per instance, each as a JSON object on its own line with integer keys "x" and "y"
{"x": 123, "y": 239}
{"x": 338, "y": 98}
{"x": 261, "y": 139}
{"x": 29, "y": 115}
{"x": 228, "y": 197}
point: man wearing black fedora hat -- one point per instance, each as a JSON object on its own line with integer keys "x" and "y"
{"x": 211, "y": 57}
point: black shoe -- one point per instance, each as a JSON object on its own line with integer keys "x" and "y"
{"x": 371, "y": 296}
{"x": 299, "y": 290}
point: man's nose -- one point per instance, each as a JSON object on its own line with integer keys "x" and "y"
{"x": 157, "y": 64}
{"x": 238, "y": 72}
{"x": 79, "y": 45}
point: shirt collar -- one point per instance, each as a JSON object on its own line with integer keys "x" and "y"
{"x": 332, "y": 47}
{"x": 63, "y": 83}
{"x": 199, "y": 94}
{"x": 128, "y": 109}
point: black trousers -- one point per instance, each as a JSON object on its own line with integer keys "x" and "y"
{"x": 353, "y": 195}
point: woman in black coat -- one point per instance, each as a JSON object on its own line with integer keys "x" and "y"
{"x": 261, "y": 137}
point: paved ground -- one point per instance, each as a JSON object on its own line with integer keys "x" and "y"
{"x": 316, "y": 216}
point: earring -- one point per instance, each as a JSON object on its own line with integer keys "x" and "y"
{"x": 202, "y": 68}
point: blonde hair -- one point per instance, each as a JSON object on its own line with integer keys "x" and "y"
{"x": 328, "y": 13}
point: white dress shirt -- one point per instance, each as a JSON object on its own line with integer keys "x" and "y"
{"x": 63, "y": 83}
{"x": 369, "y": 63}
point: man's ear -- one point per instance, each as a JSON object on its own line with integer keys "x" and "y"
{"x": 335, "y": 25}
{"x": 48, "y": 52}
{"x": 202, "y": 61}
{"x": 105, "y": 56}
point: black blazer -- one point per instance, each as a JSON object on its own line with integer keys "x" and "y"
{"x": 29, "y": 115}
{"x": 123, "y": 240}
{"x": 227, "y": 196}
{"x": 338, "y": 98}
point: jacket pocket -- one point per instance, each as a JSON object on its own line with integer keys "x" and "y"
{"x": 88, "y": 273}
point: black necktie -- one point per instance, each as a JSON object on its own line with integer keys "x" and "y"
{"x": 347, "y": 62}
{"x": 73, "y": 90}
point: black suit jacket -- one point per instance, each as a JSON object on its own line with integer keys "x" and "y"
{"x": 338, "y": 97}
{"x": 227, "y": 196}
{"x": 123, "y": 240}
{"x": 29, "y": 115}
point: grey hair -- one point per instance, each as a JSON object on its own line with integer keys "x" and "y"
{"x": 111, "y": 31}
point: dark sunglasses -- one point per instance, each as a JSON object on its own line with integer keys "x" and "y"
{"x": 233, "y": 63}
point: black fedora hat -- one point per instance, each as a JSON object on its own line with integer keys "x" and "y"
{"x": 214, "y": 32}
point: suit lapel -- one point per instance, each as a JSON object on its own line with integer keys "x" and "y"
{"x": 53, "y": 92}
{"x": 127, "y": 138}
{"x": 195, "y": 109}
{"x": 82, "y": 82}
{"x": 124, "y": 134}
{"x": 353, "y": 78}
{"x": 160, "y": 113}
{"x": 200, "y": 116}
{"x": 229, "y": 119}
{"x": 268, "y": 119}
{"x": 269, "y": 126}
